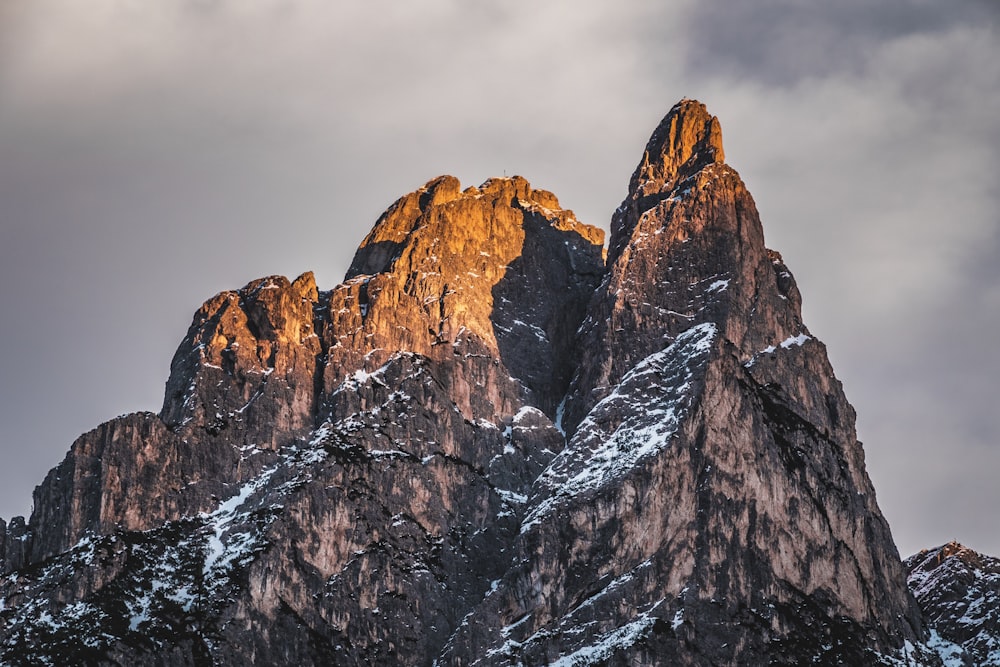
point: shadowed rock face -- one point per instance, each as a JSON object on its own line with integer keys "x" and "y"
{"x": 486, "y": 446}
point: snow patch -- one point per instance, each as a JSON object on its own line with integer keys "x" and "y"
{"x": 560, "y": 413}
{"x": 951, "y": 653}
{"x": 608, "y": 644}
{"x": 511, "y": 497}
{"x": 795, "y": 340}
{"x": 717, "y": 286}
{"x": 219, "y": 520}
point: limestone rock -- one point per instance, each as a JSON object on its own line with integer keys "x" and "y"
{"x": 444, "y": 274}
{"x": 131, "y": 473}
{"x": 711, "y": 505}
{"x": 14, "y": 544}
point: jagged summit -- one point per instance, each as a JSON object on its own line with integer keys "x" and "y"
{"x": 412, "y": 213}
{"x": 687, "y": 139}
{"x": 445, "y": 267}
{"x": 486, "y": 446}
{"x": 953, "y": 549}
{"x": 686, "y": 143}
{"x": 687, "y": 247}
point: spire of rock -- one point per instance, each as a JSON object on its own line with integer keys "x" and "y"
{"x": 687, "y": 139}
{"x": 712, "y": 484}
{"x": 686, "y": 142}
{"x": 687, "y": 247}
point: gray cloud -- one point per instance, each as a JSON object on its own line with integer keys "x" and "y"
{"x": 782, "y": 42}
{"x": 152, "y": 154}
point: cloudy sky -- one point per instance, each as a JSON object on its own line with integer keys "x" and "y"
{"x": 155, "y": 152}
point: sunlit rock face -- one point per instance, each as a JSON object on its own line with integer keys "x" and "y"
{"x": 489, "y": 445}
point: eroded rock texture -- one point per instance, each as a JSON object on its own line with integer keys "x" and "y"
{"x": 487, "y": 446}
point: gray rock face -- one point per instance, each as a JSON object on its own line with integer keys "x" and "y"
{"x": 133, "y": 474}
{"x": 487, "y": 446}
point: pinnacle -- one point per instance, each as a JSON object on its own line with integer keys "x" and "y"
{"x": 686, "y": 140}
{"x": 955, "y": 548}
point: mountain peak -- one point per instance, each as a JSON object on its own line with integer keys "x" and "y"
{"x": 954, "y": 550}
{"x": 441, "y": 213}
{"x": 686, "y": 140}
{"x": 445, "y": 268}
{"x": 490, "y": 445}
{"x": 958, "y": 591}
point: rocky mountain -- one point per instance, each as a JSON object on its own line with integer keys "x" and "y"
{"x": 959, "y": 593}
{"x": 490, "y": 445}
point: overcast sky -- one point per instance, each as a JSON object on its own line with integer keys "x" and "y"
{"x": 155, "y": 152}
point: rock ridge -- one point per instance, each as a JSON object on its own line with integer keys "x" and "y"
{"x": 364, "y": 442}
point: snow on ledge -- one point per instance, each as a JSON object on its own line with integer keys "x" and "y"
{"x": 604, "y": 648}
{"x": 796, "y": 341}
